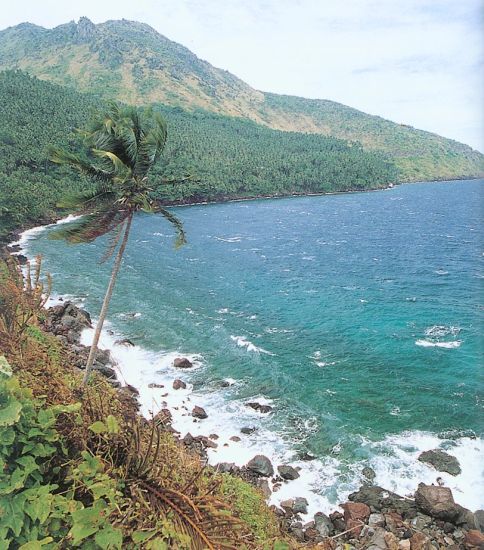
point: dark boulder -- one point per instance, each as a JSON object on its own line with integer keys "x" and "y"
{"x": 179, "y": 384}
{"x": 441, "y": 461}
{"x": 259, "y": 407}
{"x": 323, "y": 524}
{"x": 227, "y": 467}
{"x": 182, "y": 363}
{"x": 248, "y": 431}
{"x": 263, "y": 485}
{"x": 125, "y": 342}
{"x": 437, "y": 502}
{"x": 379, "y": 499}
{"x": 106, "y": 371}
{"x": 199, "y": 412}
{"x": 288, "y": 472}
{"x": 261, "y": 466}
{"x": 298, "y": 505}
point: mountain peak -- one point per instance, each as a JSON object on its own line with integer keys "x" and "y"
{"x": 132, "y": 62}
{"x": 86, "y": 29}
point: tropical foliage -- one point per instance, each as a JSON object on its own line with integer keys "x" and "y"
{"x": 229, "y": 157}
{"x": 86, "y": 471}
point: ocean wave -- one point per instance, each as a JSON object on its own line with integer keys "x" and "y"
{"x": 325, "y": 481}
{"x": 440, "y": 331}
{"x": 445, "y": 345}
{"x": 242, "y": 342}
{"x": 235, "y": 239}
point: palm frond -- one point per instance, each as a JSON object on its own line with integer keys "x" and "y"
{"x": 177, "y": 224}
{"x": 59, "y": 156}
{"x": 91, "y": 226}
{"x": 151, "y": 146}
{"x": 119, "y": 166}
{"x": 102, "y": 195}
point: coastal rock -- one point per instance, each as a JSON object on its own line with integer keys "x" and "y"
{"x": 369, "y": 474}
{"x": 437, "y": 502}
{"x": 479, "y": 516}
{"x": 206, "y": 442}
{"x": 131, "y": 389}
{"x": 376, "y": 520}
{"x": 377, "y": 541}
{"x": 298, "y": 505}
{"x": 124, "y": 342}
{"x": 182, "y": 363}
{"x": 420, "y": 541}
{"x": 304, "y": 455}
{"x": 163, "y": 418}
{"x": 235, "y": 438}
{"x": 441, "y": 461}
{"x": 263, "y": 485}
{"x": 106, "y": 371}
{"x": 179, "y": 384}
{"x": 67, "y": 319}
{"x": 226, "y": 467}
{"x": 355, "y": 516}
{"x": 379, "y": 499}
{"x": 474, "y": 539}
{"x": 259, "y": 407}
{"x": 288, "y": 472}
{"x": 248, "y": 431}
{"x": 261, "y": 466}
{"x": 323, "y": 524}
{"x": 199, "y": 412}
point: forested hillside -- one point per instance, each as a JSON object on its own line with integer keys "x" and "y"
{"x": 132, "y": 62}
{"x": 228, "y": 157}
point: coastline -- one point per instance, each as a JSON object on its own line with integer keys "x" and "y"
{"x": 11, "y": 238}
{"x": 141, "y": 368}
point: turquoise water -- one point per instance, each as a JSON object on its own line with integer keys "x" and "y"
{"x": 358, "y": 315}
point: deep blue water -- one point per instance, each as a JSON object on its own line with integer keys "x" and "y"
{"x": 359, "y": 315}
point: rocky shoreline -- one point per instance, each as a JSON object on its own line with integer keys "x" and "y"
{"x": 372, "y": 518}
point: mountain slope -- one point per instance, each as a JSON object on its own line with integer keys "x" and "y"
{"x": 230, "y": 157}
{"x": 132, "y": 62}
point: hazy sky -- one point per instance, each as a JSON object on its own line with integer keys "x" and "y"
{"x": 420, "y": 62}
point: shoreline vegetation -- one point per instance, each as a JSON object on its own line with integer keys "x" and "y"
{"x": 372, "y": 518}
{"x": 13, "y": 235}
{"x": 230, "y": 158}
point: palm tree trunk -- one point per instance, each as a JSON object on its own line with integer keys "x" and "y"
{"x": 107, "y": 299}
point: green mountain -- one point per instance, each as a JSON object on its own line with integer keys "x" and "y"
{"x": 133, "y": 63}
{"x": 230, "y": 157}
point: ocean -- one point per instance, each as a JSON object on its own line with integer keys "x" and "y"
{"x": 357, "y": 317}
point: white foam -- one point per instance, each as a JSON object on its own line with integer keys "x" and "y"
{"x": 439, "y": 331}
{"x": 242, "y": 342}
{"x": 29, "y": 234}
{"x": 445, "y": 345}
{"x": 325, "y": 482}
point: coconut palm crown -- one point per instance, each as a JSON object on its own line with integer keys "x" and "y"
{"x": 122, "y": 145}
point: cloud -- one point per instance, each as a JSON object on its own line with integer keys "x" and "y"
{"x": 414, "y": 62}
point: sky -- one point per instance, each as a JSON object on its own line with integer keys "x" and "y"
{"x": 418, "y": 62}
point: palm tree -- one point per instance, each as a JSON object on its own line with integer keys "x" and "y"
{"x": 122, "y": 145}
